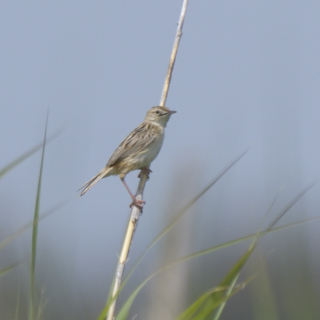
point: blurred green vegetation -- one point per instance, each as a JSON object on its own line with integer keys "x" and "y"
{"x": 219, "y": 282}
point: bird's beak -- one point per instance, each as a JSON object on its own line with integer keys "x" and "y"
{"x": 172, "y": 112}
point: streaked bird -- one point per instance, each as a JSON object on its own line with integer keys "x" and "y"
{"x": 136, "y": 151}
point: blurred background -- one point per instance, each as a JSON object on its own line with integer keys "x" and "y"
{"x": 247, "y": 75}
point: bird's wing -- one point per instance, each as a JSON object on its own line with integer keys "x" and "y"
{"x": 135, "y": 142}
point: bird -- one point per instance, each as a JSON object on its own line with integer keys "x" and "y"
{"x": 136, "y": 151}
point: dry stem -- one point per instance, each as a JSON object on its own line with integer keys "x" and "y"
{"x": 135, "y": 213}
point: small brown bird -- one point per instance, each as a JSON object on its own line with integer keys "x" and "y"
{"x": 136, "y": 151}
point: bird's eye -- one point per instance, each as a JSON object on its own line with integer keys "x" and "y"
{"x": 157, "y": 112}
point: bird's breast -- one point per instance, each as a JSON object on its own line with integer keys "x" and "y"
{"x": 151, "y": 152}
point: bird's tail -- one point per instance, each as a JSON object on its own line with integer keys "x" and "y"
{"x": 88, "y": 185}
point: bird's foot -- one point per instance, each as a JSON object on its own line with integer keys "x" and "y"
{"x": 137, "y": 203}
{"x": 146, "y": 171}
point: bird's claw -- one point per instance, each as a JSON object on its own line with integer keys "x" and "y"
{"x": 147, "y": 172}
{"x": 137, "y": 203}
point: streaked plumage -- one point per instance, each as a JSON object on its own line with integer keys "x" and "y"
{"x": 137, "y": 150}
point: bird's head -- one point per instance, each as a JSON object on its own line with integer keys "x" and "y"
{"x": 159, "y": 115}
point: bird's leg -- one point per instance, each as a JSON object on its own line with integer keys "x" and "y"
{"x": 135, "y": 201}
{"x": 147, "y": 172}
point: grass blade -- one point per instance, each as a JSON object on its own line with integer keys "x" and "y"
{"x": 233, "y": 275}
{"x": 8, "y": 269}
{"x": 196, "y": 306}
{"x": 28, "y": 225}
{"x": 35, "y": 230}
{"x": 185, "y": 208}
{"x": 24, "y": 156}
{"x": 206, "y": 312}
{"x": 124, "y": 312}
{"x": 224, "y": 298}
{"x": 178, "y": 216}
{"x": 17, "y": 303}
{"x": 217, "y": 298}
{"x": 230, "y": 280}
{"x": 182, "y": 211}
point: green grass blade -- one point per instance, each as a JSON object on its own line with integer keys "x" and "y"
{"x": 35, "y": 231}
{"x": 195, "y": 255}
{"x": 102, "y": 315}
{"x": 41, "y": 307}
{"x": 178, "y": 216}
{"x": 214, "y": 300}
{"x": 126, "y": 307}
{"x": 8, "y": 269}
{"x": 24, "y": 156}
{"x": 17, "y": 303}
{"x": 28, "y": 225}
{"x": 110, "y": 300}
{"x": 290, "y": 205}
{"x": 185, "y": 208}
{"x": 124, "y": 312}
{"x": 230, "y": 279}
{"x": 196, "y": 306}
{"x": 207, "y": 251}
{"x": 232, "y": 276}
{"x": 242, "y": 239}
{"x": 182, "y": 211}
{"x": 205, "y": 313}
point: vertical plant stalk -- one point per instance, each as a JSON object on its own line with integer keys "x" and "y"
{"x": 135, "y": 213}
{"x": 35, "y": 231}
